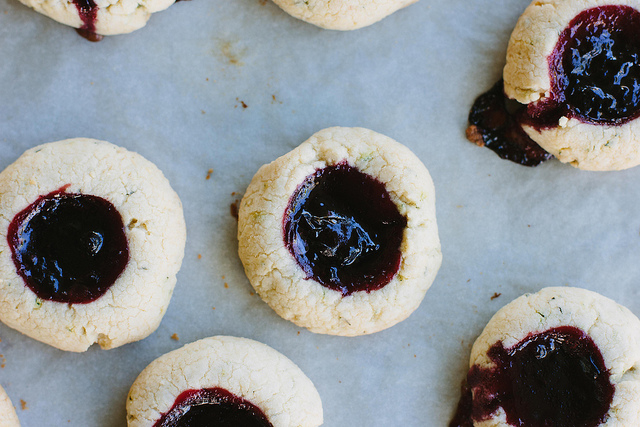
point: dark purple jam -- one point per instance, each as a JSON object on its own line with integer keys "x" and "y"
{"x": 595, "y": 67}
{"x": 494, "y": 123}
{"x": 69, "y": 247}
{"x": 88, "y": 11}
{"x": 212, "y": 407}
{"x": 555, "y": 378}
{"x": 344, "y": 230}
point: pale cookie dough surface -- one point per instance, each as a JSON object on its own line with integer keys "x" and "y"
{"x": 246, "y": 368}
{"x": 113, "y": 16}
{"x": 341, "y": 14}
{"x": 280, "y": 281}
{"x": 8, "y": 416}
{"x": 612, "y": 327}
{"x": 527, "y": 79}
{"x": 153, "y": 224}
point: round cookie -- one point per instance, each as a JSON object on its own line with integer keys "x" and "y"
{"x": 91, "y": 239}
{"x": 359, "y": 261}
{"x": 269, "y": 389}
{"x": 575, "y": 63}
{"x": 103, "y": 17}
{"x": 562, "y": 356}
{"x": 8, "y": 416}
{"x": 342, "y": 14}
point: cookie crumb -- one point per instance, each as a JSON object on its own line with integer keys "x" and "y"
{"x": 199, "y": 256}
{"x": 495, "y": 295}
{"x": 226, "y": 285}
{"x": 23, "y": 405}
{"x": 251, "y": 293}
{"x": 298, "y": 332}
{"x": 474, "y": 135}
{"x": 233, "y": 208}
{"x": 242, "y": 103}
{"x": 209, "y": 172}
{"x": 213, "y": 308}
{"x": 175, "y": 337}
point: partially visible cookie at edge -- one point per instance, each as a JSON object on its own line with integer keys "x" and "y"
{"x": 358, "y": 267}
{"x": 102, "y": 17}
{"x": 558, "y": 339}
{"x": 8, "y": 416}
{"x": 234, "y": 378}
{"x": 91, "y": 239}
{"x": 582, "y": 109}
{"x": 342, "y": 14}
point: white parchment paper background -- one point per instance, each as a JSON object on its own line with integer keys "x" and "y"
{"x": 172, "y": 92}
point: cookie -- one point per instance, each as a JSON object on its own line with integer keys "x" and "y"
{"x": 8, "y": 416}
{"x": 342, "y": 14}
{"x": 91, "y": 239}
{"x": 574, "y": 63}
{"x": 560, "y": 357}
{"x": 101, "y": 17}
{"x": 235, "y": 381}
{"x": 339, "y": 235}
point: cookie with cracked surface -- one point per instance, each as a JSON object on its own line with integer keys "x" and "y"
{"x": 560, "y": 357}
{"x": 339, "y": 235}
{"x": 576, "y": 64}
{"x": 96, "y": 18}
{"x": 91, "y": 239}
{"x": 341, "y": 14}
{"x": 8, "y": 416}
{"x": 237, "y": 382}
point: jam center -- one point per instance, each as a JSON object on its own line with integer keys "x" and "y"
{"x": 212, "y": 407}
{"x": 595, "y": 67}
{"x": 69, "y": 247}
{"x": 344, "y": 230}
{"x": 88, "y": 11}
{"x": 553, "y": 378}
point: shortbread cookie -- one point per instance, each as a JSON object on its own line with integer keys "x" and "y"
{"x": 561, "y": 357}
{"x": 339, "y": 235}
{"x": 341, "y": 14}
{"x": 104, "y": 17}
{"x": 8, "y": 417}
{"x": 234, "y": 381}
{"x": 91, "y": 239}
{"x": 575, "y": 63}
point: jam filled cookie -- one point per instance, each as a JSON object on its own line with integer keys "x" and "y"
{"x": 576, "y": 64}
{"x": 8, "y": 416}
{"x": 96, "y": 18}
{"x": 561, "y": 357}
{"x": 342, "y": 14}
{"x": 339, "y": 235}
{"x": 91, "y": 239}
{"x": 226, "y": 382}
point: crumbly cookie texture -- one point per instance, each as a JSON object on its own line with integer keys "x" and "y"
{"x": 527, "y": 79}
{"x": 246, "y": 368}
{"x": 612, "y": 327}
{"x": 280, "y": 281}
{"x": 153, "y": 224}
{"x": 341, "y": 14}
{"x": 113, "y": 16}
{"x": 8, "y": 416}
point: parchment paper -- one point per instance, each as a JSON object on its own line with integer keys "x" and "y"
{"x": 173, "y": 92}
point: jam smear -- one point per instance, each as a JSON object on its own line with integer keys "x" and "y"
{"x": 344, "y": 230}
{"x": 494, "y": 123}
{"x": 595, "y": 67}
{"x": 68, "y": 247}
{"x": 212, "y": 407}
{"x": 88, "y": 11}
{"x": 556, "y": 378}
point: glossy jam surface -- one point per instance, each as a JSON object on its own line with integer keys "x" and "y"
{"x": 344, "y": 230}
{"x": 88, "y": 11}
{"x": 496, "y": 126}
{"x": 68, "y": 247}
{"x": 595, "y": 67}
{"x": 212, "y": 407}
{"x": 555, "y": 378}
